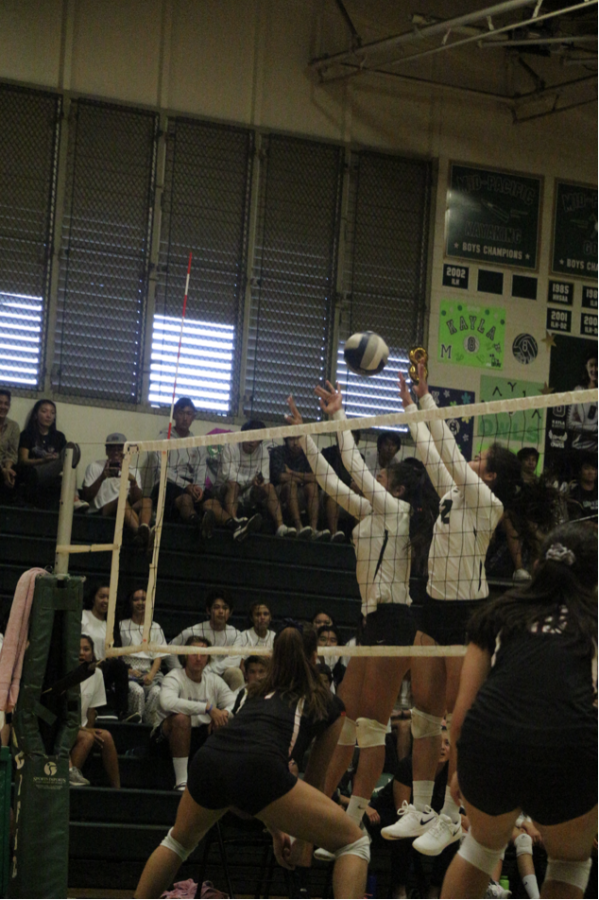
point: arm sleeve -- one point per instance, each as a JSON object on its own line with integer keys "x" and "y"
{"x": 353, "y": 504}
{"x": 382, "y": 501}
{"x": 476, "y": 493}
{"x": 91, "y": 474}
{"x": 170, "y": 702}
{"x": 428, "y": 454}
{"x": 265, "y": 464}
{"x": 224, "y": 696}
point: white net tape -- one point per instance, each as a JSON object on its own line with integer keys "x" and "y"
{"x": 161, "y": 448}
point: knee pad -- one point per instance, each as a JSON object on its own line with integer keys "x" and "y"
{"x": 171, "y": 844}
{"x": 347, "y": 738}
{"x": 370, "y": 733}
{"x": 483, "y": 858}
{"x": 360, "y": 848}
{"x": 569, "y": 871}
{"x": 523, "y": 844}
{"x": 425, "y": 725}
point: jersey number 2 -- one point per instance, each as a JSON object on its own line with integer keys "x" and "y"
{"x": 445, "y": 510}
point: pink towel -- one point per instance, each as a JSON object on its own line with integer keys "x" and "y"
{"x": 15, "y": 640}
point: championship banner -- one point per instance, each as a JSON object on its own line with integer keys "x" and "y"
{"x": 575, "y": 230}
{"x": 493, "y": 217}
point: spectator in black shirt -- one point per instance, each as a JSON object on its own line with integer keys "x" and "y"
{"x": 41, "y": 456}
{"x": 296, "y": 485}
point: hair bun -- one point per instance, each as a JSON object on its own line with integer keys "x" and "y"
{"x": 559, "y": 553}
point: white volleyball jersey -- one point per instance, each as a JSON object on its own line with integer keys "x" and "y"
{"x": 382, "y": 536}
{"x": 469, "y": 512}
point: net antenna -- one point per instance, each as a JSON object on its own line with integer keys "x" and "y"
{"x": 151, "y": 589}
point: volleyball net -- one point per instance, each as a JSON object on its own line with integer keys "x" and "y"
{"x": 271, "y": 474}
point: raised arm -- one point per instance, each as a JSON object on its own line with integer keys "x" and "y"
{"x": 383, "y": 502}
{"x": 426, "y": 451}
{"x": 325, "y": 475}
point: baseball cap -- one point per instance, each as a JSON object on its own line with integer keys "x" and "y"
{"x": 116, "y": 438}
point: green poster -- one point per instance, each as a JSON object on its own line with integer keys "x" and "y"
{"x": 493, "y": 217}
{"x": 575, "y": 230}
{"x": 516, "y": 429}
{"x": 471, "y": 335}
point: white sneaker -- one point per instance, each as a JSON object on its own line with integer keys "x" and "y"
{"x": 305, "y": 533}
{"x": 80, "y": 505}
{"x": 284, "y": 531}
{"x": 321, "y": 536}
{"x": 181, "y": 786}
{"x": 76, "y": 779}
{"x": 411, "y": 822}
{"x": 443, "y": 833}
{"x": 495, "y": 890}
{"x": 338, "y": 538}
{"x": 248, "y": 527}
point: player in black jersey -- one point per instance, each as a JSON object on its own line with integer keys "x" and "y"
{"x": 246, "y": 766}
{"x": 527, "y": 703}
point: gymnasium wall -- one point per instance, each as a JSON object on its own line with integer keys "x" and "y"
{"x": 245, "y": 61}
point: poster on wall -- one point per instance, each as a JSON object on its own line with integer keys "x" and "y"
{"x": 493, "y": 216}
{"x": 471, "y": 335}
{"x": 571, "y": 429}
{"x": 513, "y": 430}
{"x": 461, "y": 428}
{"x": 575, "y": 230}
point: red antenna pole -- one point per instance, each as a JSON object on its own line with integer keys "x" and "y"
{"x": 170, "y": 421}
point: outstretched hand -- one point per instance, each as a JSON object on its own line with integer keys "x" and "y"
{"x": 295, "y": 417}
{"x": 421, "y": 388}
{"x": 404, "y": 391}
{"x": 331, "y": 399}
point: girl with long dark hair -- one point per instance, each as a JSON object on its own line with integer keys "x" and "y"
{"x": 246, "y": 766}
{"x": 41, "y": 455}
{"x": 471, "y": 506}
{"x": 383, "y": 549}
{"x": 525, "y": 720}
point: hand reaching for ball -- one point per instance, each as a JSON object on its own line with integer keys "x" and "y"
{"x": 295, "y": 417}
{"x": 331, "y": 399}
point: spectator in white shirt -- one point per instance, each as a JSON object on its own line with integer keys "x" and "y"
{"x": 193, "y": 704}
{"x": 219, "y": 606}
{"x": 388, "y": 447}
{"x": 93, "y": 696}
{"x": 143, "y": 668}
{"x": 243, "y": 481}
{"x": 101, "y": 486}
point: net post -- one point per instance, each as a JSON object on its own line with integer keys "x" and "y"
{"x": 65, "y": 515}
{"x": 151, "y": 589}
{"x": 117, "y": 544}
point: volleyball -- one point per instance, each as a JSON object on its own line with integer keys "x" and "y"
{"x": 366, "y": 353}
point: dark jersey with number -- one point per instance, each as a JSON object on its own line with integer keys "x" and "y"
{"x": 272, "y": 726}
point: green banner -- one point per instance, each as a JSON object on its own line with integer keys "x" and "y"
{"x": 525, "y": 427}
{"x": 575, "y": 230}
{"x": 493, "y": 217}
{"x": 471, "y": 335}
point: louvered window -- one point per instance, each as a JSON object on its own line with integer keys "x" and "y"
{"x": 293, "y": 280}
{"x": 105, "y": 248}
{"x": 205, "y": 211}
{"x": 28, "y": 147}
{"x": 385, "y": 271}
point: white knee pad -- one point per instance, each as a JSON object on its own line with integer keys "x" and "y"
{"x": 370, "y": 733}
{"x": 483, "y": 858}
{"x": 523, "y": 844}
{"x": 360, "y": 848}
{"x": 569, "y": 871}
{"x": 347, "y": 738}
{"x": 425, "y": 725}
{"x": 171, "y": 844}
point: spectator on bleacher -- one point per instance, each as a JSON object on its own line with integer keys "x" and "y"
{"x": 328, "y": 636}
{"x": 9, "y": 446}
{"x": 219, "y": 606}
{"x": 333, "y": 511}
{"x": 322, "y": 617}
{"x": 243, "y": 482}
{"x": 296, "y": 485}
{"x": 194, "y": 702}
{"x": 582, "y": 417}
{"x": 388, "y": 446}
{"x": 581, "y": 494}
{"x": 528, "y": 458}
{"x": 187, "y": 495}
{"x": 93, "y": 696}
{"x": 256, "y": 669}
{"x": 144, "y": 672}
{"x": 259, "y": 634}
{"x": 101, "y": 486}
{"x": 114, "y": 670}
{"x": 42, "y": 450}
